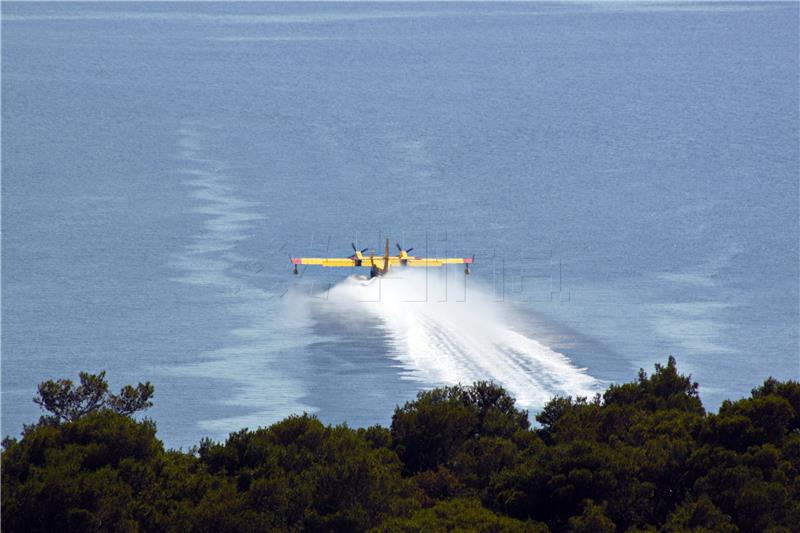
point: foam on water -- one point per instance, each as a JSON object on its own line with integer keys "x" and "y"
{"x": 205, "y": 18}
{"x": 249, "y": 354}
{"x": 444, "y": 331}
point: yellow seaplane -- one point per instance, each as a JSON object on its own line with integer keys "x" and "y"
{"x": 378, "y": 266}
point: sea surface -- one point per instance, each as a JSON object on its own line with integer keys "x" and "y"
{"x": 626, "y": 175}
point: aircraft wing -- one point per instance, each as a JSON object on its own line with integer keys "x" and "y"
{"x": 379, "y": 261}
{"x": 438, "y": 261}
{"x": 326, "y": 261}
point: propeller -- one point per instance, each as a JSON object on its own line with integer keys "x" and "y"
{"x": 401, "y": 248}
{"x": 356, "y": 250}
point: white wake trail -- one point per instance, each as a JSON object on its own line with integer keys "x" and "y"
{"x": 441, "y": 337}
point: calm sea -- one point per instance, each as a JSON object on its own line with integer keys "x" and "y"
{"x": 626, "y": 175}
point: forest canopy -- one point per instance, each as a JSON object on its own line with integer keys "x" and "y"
{"x": 644, "y": 456}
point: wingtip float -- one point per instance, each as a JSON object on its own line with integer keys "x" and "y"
{"x": 380, "y": 265}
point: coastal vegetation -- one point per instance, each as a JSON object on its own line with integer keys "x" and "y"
{"x": 643, "y": 456}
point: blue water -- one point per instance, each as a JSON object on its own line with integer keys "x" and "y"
{"x": 626, "y": 174}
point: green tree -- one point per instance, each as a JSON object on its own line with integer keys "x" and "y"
{"x": 427, "y": 432}
{"x": 309, "y": 476}
{"x": 665, "y": 389}
{"x": 591, "y": 520}
{"x": 67, "y": 402}
{"x": 70, "y": 477}
{"x": 699, "y": 516}
{"x": 459, "y": 514}
{"x": 643, "y": 457}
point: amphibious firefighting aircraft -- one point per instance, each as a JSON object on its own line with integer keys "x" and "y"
{"x": 380, "y": 265}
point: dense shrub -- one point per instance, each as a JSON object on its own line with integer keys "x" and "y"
{"x": 644, "y": 456}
